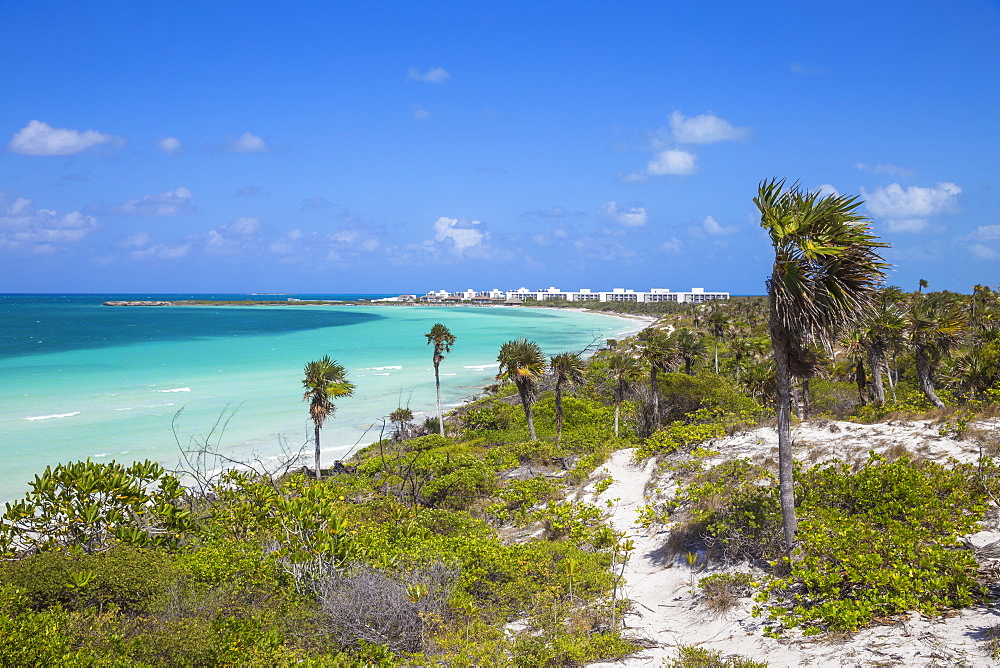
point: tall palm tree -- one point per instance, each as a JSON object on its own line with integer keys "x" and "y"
{"x": 622, "y": 368}
{"x": 325, "y": 380}
{"x": 568, "y": 368}
{"x": 718, "y": 325}
{"x": 826, "y": 271}
{"x": 523, "y": 363}
{"x": 443, "y": 340}
{"x": 660, "y": 351}
{"x": 934, "y": 329}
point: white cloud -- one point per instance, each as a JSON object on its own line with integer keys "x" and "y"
{"x": 633, "y": 216}
{"x": 246, "y": 143}
{"x": 672, "y": 162}
{"x": 463, "y": 234}
{"x": 137, "y": 240}
{"x": 22, "y": 225}
{"x": 420, "y": 114}
{"x": 984, "y": 252}
{"x": 38, "y": 138}
{"x": 316, "y": 202}
{"x": 907, "y": 210}
{"x": 704, "y": 129}
{"x": 244, "y": 226}
{"x": 986, "y": 233}
{"x": 170, "y": 146}
{"x": 712, "y": 227}
{"x": 435, "y": 75}
{"x": 826, "y": 190}
{"x": 161, "y": 252}
{"x": 169, "y": 203}
{"x": 672, "y": 245}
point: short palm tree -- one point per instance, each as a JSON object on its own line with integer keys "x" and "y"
{"x": 934, "y": 328}
{"x": 443, "y": 340}
{"x": 523, "y": 363}
{"x": 690, "y": 347}
{"x": 568, "y": 369}
{"x": 826, "y": 271}
{"x": 623, "y": 369}
{"x": 325, "y": 380}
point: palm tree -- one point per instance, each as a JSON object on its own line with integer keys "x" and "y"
{"x": 443, "y": 340}
{"x": 826, "y": 271}
{"x": 401, "y": 417}
{"x": 690, "y": 347}
{"x": 325, "y": 380}
{"x": 660, "y": 351}
{"x": 568, "y": 368}
{"x": 622, "y": 368}
{"x": 878, "y": 332}
{"x": 523, "y": 363}
{"x": 934, "y": 329}
{"x": 718, "y": 325}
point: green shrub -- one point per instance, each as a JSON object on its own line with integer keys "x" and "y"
{"x": 879, "y": 542}
{"x": 689, "y": 656}
{"x": 124, "y": 577}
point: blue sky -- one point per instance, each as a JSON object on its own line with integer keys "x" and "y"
{"x": 401, "y": 147}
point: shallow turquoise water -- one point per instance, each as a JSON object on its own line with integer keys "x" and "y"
{"x": 112, "y": 380}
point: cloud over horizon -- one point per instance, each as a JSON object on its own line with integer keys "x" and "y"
{"x": 909, "y": 209}
{"x": 38, "y": 138}
{"x": 631, "y": 216}
{"x": 170, "y": 203}
{"x": 23, "y": 225}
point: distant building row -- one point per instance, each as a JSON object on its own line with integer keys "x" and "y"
{"x": 519, "y": 296}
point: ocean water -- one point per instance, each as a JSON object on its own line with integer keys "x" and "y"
{"x": 79, "y": 380}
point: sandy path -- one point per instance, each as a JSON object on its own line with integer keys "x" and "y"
{"x": 666, "y": 613}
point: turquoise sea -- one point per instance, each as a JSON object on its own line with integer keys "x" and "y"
{"x": 79, "y": 380}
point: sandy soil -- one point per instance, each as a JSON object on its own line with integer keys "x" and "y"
{"x": 666, "y": 612}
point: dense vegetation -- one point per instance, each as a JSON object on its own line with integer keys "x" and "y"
{"x": 471, "y": 547}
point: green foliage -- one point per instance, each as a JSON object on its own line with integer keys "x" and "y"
{"x": 89, "y": 507}
{"x": 701, "y": 425}
{"x": 124, "y": 577}
{"x": 879, "y": 542}
{"x": 518, "y": 497}
{"x": 734, "y": 506}
{"x": 689, "y": 656}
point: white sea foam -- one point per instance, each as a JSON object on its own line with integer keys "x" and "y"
{"x": 480, "y": 367}
{"x": 379, "y": 368}
{"x": 178, "y": 389}
{"x": 447, "y": 374}
{"x": 381, "y": 374}
{"x": 50, "y": 417}
{"x": 99, "y": 454}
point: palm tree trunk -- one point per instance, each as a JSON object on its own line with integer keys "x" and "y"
{"x": 924, "y": 376}
{"x": 876, "y": 363}
{"x": 437, "y": 386}
{"x": 783, "y": 381}
{"x": 862, "y": 381}
{"x": 716, "y": 356}
{"x": 319, "y": 474}
{"x": 527, "y": 416}
{"x": 617, "y": 406}
{"x": 559, "y": 411}
{"x": 654, "y": 384}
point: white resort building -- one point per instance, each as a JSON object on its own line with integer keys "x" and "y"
{"x": 495, "y": 296}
